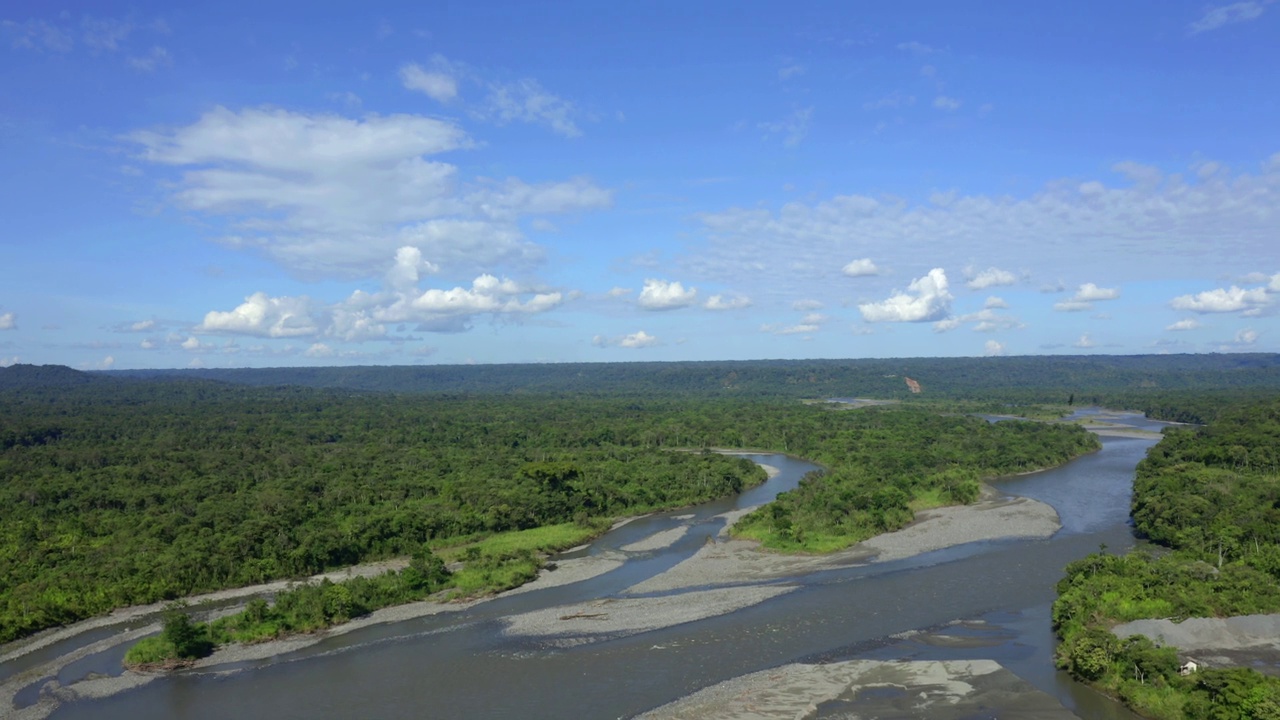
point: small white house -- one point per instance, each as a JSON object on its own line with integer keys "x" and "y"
{"x": 1188, "y": 667}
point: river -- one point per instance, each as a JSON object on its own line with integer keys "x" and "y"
{"x": 463, "y": 665}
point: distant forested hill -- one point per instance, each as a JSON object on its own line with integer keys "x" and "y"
{"x": 18, "y": 377}
{"x": 1158, "y": 384}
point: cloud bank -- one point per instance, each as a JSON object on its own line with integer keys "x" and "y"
{"x": 330, "y": 196}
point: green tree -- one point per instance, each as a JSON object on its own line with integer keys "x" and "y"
{"x": 426, "y": 571}
{"x": 188, "y": 639}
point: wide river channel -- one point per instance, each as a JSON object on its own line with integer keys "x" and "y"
{"x": 461, "y": 665}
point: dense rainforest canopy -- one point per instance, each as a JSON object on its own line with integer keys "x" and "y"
{"x": 121, "y": 488}
{"x": 139, "y": 492}
{"x": 1211, "y": 496}
{"x": 119, "y": 491}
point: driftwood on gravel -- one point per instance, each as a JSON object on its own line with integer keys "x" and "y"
{"x": 584, "y": 615}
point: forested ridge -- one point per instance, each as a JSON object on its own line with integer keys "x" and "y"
{"x": 1211, "y": 496}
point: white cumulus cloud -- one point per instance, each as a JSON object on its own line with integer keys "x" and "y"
{"x": 639, "y": 339}
{"x": 1090, "y": 292}
{"x": 327, "y": 195}
{"x": 487, "y": 294}
{"x": 991, "y": 277}
{"x": 366, "y": 316}
{"x": 436, "y": 84}
{"x": 1138, "y": 224}
{"x": 860, "y": 268}
{"x": 264, "y": 316}
{"x": 664, "y": 295}
{"x": 408, "y": 268}
{"x": 985, "y": 320}
{"x": 1185, "y": 324}
{"x": 1222, "y": 300}
{"x": 8, "y": 321}
{"x": 194, "y": 344}
{"x": 798, "y": 329}
{"x": 1072, "y": 306}
{"x": 926, "y": 299}
{"x": 993, "y": 348}
{"x": 1084, "y": 298}
{"x": 727, "y": 302}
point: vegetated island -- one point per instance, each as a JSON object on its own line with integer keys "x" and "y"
{"x": 1209, "y": 498}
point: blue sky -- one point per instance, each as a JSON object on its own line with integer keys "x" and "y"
{"x": 274, "y": 184}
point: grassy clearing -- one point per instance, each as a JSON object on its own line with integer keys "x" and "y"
{"x": 507, "y": 560}
{"x": 929, "y": 499}
{"x": 150, "y": 651}
{"x": 546, "y": 539}
{"x": 808, "y": 543}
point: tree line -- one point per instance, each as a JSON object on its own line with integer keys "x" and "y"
{"x": 1173, "y": 384}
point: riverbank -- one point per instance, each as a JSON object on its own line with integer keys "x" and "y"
{"x": 723, "y": 576}
{"x": 733, "y": 561}
{"x": 1120, "y": 432}
{"x": 142, "y": 620}
{"x": 139, "y": 621}
{"x": 939, "y": 690}
{"x": 1239, "y": 641}
{"x": 18, "y": 648}
{"x": 730, "y": 574}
